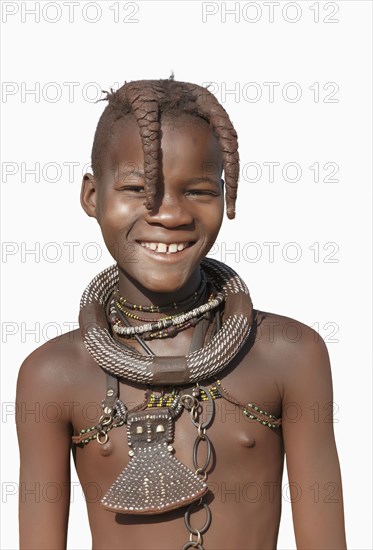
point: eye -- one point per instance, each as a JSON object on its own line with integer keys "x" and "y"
{"x": 132, "y": 188}
{"x": 201, "y": 193}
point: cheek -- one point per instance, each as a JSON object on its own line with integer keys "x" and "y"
{"x": 116, "y": 220}
{"x": 115, "y": 214}
{"x": 212, "y": 220}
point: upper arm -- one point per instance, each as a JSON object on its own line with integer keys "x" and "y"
{"x": 43, "y": 428}
{"x": 311, "y": 454}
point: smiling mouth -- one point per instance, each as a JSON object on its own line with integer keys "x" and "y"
{"x": 163, "y": 248}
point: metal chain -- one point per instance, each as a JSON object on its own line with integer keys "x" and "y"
{"x": 105, "y": 423}
{"x": 103, "y": 427}
{"x": 193, "y": 406}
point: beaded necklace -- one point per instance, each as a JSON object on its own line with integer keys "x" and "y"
{"x": 177, "y": 322}
{"x": 182, "y": 304}
{"x": 165, "y": 327}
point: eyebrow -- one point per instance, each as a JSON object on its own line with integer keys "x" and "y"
{"x": 201, "y": 179}
{"x": 135, "y": 173}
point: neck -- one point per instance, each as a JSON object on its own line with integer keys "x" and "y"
{"x": 135, "y": 293}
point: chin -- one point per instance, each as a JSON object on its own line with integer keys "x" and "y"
{"x": 164, "y": 286}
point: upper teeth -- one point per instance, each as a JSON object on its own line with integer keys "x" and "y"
{"x": 164, "y": 248}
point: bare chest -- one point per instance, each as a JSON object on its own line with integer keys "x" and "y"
{"x": 237, "y": 439}
{"x": 243, "y": 475}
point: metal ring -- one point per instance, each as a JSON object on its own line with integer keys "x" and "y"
{"x": 201, "y": 432}
{"x": 188, "y": 401}
{"x": 200, "y": 471}
{"x": 210, "y": 413}
{"x": 194, "y": 414}
{"x": 106, "y": 419}
{"x": 207, "y": 522}
{"x": 188, "y": 545}
{"x": 195, "y": 451}
{"x": 100, "y": 434}
{"x": 199, "y": 537}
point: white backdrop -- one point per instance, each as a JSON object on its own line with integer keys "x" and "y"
{"x": 295, "y": 78}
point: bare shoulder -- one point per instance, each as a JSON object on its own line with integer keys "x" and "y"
{"x": 51, "y": 370}
{"x": 295, "y": 349}
{"x": 282, "y": 331}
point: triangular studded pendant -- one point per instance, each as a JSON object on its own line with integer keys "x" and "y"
{"x": 154, "y": 481}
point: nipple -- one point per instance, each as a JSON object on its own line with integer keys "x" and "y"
{"x": 106, "y": 449}
{"x": 247, "y": 440}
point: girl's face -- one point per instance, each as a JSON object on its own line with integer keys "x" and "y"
{"x": 160, "y": 249}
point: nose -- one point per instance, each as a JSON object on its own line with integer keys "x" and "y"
{"x": 170, "y": 211}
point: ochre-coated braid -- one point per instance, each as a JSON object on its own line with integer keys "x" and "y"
{"x": 148, "y": 101}
{"x": 209, "y": 106}
{"x": 145, "y": 107}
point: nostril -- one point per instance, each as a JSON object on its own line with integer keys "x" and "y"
{"x": 169, "y": 214}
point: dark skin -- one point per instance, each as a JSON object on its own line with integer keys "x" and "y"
{"x": 285, "y": 377}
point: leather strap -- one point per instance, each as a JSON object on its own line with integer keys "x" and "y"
{"x": 112, "y": 393}
{"x": 198, "y": 340}
{"x": 199, "y": 334}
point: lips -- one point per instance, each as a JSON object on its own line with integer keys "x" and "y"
{"x": 165, "y": 248}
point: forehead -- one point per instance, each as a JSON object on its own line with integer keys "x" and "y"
{"x": 186, "y": 143}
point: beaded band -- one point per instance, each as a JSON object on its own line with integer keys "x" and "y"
{"x": 187, "y": 302}
{"x": 168, "y": 322}
{"x": 156, "y": 400}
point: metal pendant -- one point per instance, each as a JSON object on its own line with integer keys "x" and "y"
{"x": 154, "y": 481}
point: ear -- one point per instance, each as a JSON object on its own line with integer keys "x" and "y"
{"x": 88, "y": 195}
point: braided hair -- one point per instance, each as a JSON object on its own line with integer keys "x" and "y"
{"x": 147, "y": 100}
